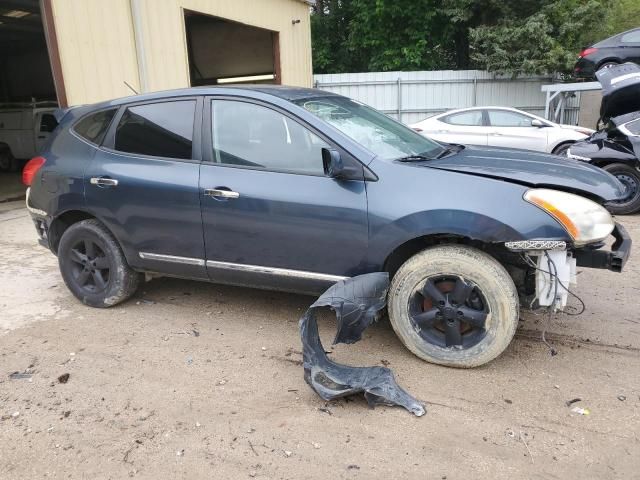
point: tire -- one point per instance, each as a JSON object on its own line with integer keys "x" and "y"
{"x": 607, "y": 65}
{"x": 631, "y": 178}
{"x": 7, "y": 162}
{"x": 491, "y": 284}
{"x": 562, "y": 149}
{"x": 103, "y": 282}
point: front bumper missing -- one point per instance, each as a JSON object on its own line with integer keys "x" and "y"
{"x": 356, "y": 302}
{"x": 613, "y": 260}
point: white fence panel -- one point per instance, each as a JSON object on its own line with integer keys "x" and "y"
{"x": 413, "y": 96}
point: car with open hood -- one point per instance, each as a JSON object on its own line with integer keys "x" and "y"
{"x": 615, "y": 147}
{"x": 295, "y": 189}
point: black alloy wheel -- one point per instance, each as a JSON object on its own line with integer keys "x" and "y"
{"x": 449, "y": 311}
{"x": 90, "y": 266}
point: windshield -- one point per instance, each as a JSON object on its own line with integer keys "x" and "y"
{"x": 375, "y": 131}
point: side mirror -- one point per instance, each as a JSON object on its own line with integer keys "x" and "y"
{"x": 335, "y": 167}
{"x": 538, "y": 123}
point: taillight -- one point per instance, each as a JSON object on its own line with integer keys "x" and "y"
{"x": 587, "y": 51}
{"x": 31, "y": 168}
{"x": 417, "y": 129}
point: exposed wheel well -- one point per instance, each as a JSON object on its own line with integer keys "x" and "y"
{"x": 408, "y": 249}
{"x": 510, "y": 260}
{"x": 607, "y": 60}
{"x": 61, "y": 223}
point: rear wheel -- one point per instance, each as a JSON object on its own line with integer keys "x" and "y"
{"x": 607, "y": 65}
{"x": 630, "y": 177}
{"x": 454, "y": 305}
{"x": 7, "y": 162}
{"x": 94, "y": 267}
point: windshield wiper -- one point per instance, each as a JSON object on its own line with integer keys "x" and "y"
{"x": 449, "y": 149}
{"x": 414, "y": 158}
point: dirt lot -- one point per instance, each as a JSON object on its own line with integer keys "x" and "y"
{"x": 192, "y": 380}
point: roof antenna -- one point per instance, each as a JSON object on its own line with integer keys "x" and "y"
{"x": 131, "y": 88}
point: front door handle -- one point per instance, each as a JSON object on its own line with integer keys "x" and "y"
{"x": 218, "y": 193}
{"x": 103, "y": 182}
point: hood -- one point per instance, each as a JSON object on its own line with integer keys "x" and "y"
{"x": 620, "y": 90}
{"x": 535, "y": 170}
{"x": 577, "y": 128}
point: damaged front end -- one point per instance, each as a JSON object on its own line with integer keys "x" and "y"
{"x": 356, "y": 302}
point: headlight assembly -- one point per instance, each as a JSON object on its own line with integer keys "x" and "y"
{"x": 584, "y": 220}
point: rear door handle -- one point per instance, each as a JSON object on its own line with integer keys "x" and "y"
{"x": 218, "y": 193}
{"x": 103, "y": 182}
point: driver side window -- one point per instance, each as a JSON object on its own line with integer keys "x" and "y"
{"x": 250, "y": 135}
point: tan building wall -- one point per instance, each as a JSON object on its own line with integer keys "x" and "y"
{"x": 97, "y": 42}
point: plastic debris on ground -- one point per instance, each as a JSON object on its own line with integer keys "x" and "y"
{"x": 356, "y": 302}
{"x": 581, "y": 411}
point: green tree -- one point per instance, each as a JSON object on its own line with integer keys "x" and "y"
{"x": 548, "y": 40}
{"x": 331, "y": 22}
{"x": 507, "y": 36}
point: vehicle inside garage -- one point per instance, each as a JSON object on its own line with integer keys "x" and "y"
{"x": 221, "y": 51}
{"x": 27, "y": 90}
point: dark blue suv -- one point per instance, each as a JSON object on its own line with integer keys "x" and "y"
{"x": 295, "y": 189}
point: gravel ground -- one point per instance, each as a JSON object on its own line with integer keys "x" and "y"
{"x": 194, "y": 380}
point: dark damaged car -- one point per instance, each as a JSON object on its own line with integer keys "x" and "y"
{"x": 616, "y": 146}
{"x": 295, "y": 189}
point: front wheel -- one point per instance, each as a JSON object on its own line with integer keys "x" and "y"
{"x": 93, "y": 266}
{"x": 454, "y": 305}
{"x": 562, "y": 149}
{"x": 630, "y": 177}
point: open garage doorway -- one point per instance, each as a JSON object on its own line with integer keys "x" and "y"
{"x": 222, "y": 52}
{"x": 27, "y": 91}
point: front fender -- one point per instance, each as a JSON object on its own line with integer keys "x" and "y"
{"x": 438, "y": 202}
{"x": 458, "y": 223}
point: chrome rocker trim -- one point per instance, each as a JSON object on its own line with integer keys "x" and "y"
{"x": 171, "y": 259}
{"x": 281, "y": 272}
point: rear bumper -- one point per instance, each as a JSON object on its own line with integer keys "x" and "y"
{"x": 40, "y": 221}
{"x": 613, "y": 260}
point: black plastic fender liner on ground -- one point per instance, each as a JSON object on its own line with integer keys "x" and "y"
{"x": 356, "y": 302}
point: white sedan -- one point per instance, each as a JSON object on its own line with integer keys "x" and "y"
{"x": 501, "y": 127}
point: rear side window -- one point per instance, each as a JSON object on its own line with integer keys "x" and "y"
{"x": 158, "y": 129}
{"x": 94, "y": 127}
{"x": 471, "y": 118}
{"x": 631, "y": 37}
